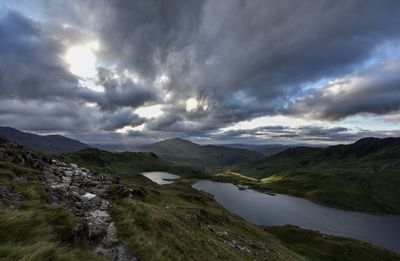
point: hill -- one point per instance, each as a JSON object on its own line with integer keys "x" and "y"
{"x": 48, "y": 143}
{"x": 209, "y": 156}
{"x": 364, "y": 175}
{"x": 267, "y": 149}
{"x": 118, "y": 147}
{"x": 128, "y": 163}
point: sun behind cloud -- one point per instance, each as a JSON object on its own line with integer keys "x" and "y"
{"x": 82, "y": 59}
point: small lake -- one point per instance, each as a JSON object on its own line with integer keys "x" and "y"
{"x": 160, "y": 177}
{"x": 262, "y": 209}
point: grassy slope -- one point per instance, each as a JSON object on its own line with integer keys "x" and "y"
{"x": 128, "y": 163}
{"x": 209, "y": 156}
{"x": 316, "y": 246}
{"x": 168, "y": 222}
{"x": 35, "y": 230}
{"x": 363, "y": 176}
{"x": 177, "y": 222}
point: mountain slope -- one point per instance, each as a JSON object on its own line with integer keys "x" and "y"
{"x": 316, "y": 246}
{"x": 367, "y": 152}
{"x": 268, "y": 150}
{"x": 49, "y": 143}
{"x": 128, "y": 163}
{"x": 184, "y": 151}
{"x": 50, "y": 210}
{"x": 364, "y": 175}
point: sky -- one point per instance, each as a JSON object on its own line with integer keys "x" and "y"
{"x": 212, "y": 71}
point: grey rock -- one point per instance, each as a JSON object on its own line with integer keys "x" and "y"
{"x": 124, "y": 254}
{"x": 126, "y": 192}
{"x": 96, "y": 230}
{"x": 7, "y": 194}
{"x": 66, "y": 186}
{"x": 111, "y": 239}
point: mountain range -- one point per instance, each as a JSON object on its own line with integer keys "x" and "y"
{"x": 210, "y": 156}
{"x": 48, "y": 143}
{"x": 176, "y": 150}
{"x": 267, "y": 149}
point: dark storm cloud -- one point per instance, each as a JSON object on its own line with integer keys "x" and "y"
{"x": 267, "y": 49}
{"x": 217, "y": 114}
{"x": 38, "y": 93}
{"x": 36, "y": 89}
{"x": 260, "y": 51}
{"x": 30, "y": 67}
{"x": 376, "y": 90}
{"x": 143, "y": 34}
{"x": 239, "y": 59}
{"x": 121, "y": 119}
{"x": 51, "y": 116}
{"x": 118, "y": 92}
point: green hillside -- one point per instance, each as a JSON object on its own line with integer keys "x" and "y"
{"x": 178, "y": 222}
{"x": 364, "y": 175}
{"x": 209, "y": 156}
{"x": 316, "y": 246}
{"x": 41, "y": 215}
{"x": 151, "y": 220}
{"x": 128, "y": 163}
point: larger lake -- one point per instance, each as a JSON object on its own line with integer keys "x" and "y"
{"x": 263, "y": 209}
{"x": 278, "y": 210}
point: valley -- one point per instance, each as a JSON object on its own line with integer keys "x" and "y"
{"x": 161, "y": 214}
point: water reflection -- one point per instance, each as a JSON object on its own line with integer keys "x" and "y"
{"x": 262, "y": 209}
{"x": 160, "y": 177}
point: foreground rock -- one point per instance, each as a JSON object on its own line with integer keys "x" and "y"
{"x": 86, "y": 195}
{"x": 80, "y": 191}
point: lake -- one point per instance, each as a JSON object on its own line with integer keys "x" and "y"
{"x": 262, "y": 209}
{"x": 160, "y": 177}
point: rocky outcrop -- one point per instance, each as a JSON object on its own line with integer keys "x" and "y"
{"x": 8, "y": 196}
{"x": 79, "y": 190}
{"x": 86, "y": 195}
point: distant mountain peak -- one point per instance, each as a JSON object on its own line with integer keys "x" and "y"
{"x": 47, "y": 143}
{"x": 178, "y": 140}
{"x": 187, "y": 152}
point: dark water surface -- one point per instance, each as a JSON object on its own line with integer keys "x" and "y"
{"x": 263, "y": 209}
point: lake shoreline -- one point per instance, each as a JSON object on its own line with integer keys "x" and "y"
{"x": 324, "y": 219}
{"x": 262, "y": 209}
{"x": 255, "y": 185}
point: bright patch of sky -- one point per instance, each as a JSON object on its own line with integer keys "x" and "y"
{"x": 128, "y": 129}
{"x": 367, "y": 122}
{"x": 149, "y": 112}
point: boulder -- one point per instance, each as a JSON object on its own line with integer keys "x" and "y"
{"x": 126, "y": 192}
